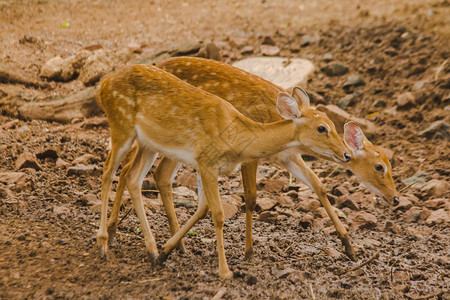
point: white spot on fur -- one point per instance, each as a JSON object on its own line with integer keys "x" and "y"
{"x": 188, "y": 64}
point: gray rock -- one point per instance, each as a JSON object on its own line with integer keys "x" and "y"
{"x": 308, "y": 39}
{"x": 420, "y": 177}
{"x": 405, "y": 101}
{"x": 277, "y": 70}
{"x": 346, "y": 101}
{"x": 439, "y": 128}
{"x": 82, "y": 170}
{"x": 354, "y": 81}
{"x": 335, "y": 69}
{"x": 379, "y": 103}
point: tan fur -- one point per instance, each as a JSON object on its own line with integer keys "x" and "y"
{"x": 169, "y": 116}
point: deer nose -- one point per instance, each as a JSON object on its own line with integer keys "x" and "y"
{"x": 396, "y": 201}
{"x": 347, "y": 156}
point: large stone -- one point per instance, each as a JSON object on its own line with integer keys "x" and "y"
{"x": 405, "y": 101}
{"x": 266, "y": 203}
{"x": 58, "y": 69}
{"x": 268, "y": 50}
{"x": 94, "y": 68}
{"x": 335, "y": 69}
{"x": 436, "y": 188}
{"x": 231, "y": 205}
{"x": 415, "y": 214}
{"x": 437, "y": 203}
{"x": 438, "y": 129}
{"x": 27, "y": 160}
{"x": 362, "y": 220}
{"x": 309, "y": 205}
{"x": 277, "y": 70}
{"x": 268, "y": 216}
{"x": 82, "y": 170}
{"x": 403, "y": 205}
{"x": 86, "y": 159}
{"x": 340, "y": 117}
{"x": 273, "y": 185}
{"x": 16, "y": 181}
{"x": 439, "y": 216}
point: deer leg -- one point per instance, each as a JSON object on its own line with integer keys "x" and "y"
{"x": 141, "y": 165}
{"x": 114, "y": 217}
{"x": 164, "y": 175}
{"x": 298, "y": 167}
{"x": 248, "y": 173}
{"x": 211, "y": 191}
{"x": 118, "y": 150}
{"x": 200, "y": 213}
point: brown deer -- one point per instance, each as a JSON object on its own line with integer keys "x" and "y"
{"x": 166, "y": 115}
{"x": 256, "y": 98}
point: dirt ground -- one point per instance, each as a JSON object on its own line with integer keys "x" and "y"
{"x": 49, "y": 213}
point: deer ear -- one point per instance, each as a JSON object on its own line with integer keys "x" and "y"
{"x": 301, "y": 97}
{"x": 287, "y": 107}
{"x": 353, "y": 136}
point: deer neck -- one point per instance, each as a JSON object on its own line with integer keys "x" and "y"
{"x": 266, "y": 139}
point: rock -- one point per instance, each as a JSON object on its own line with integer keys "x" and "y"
{"x": 419, "y": 84}
{"x": 424, "y": 232}
{"x": 264, "y": 204}
{"x": 134, "y": 48}
{"x": 83, "y": 170}
{"x": 309, "y": 205}
{"x": 6, "y": 193}
{"x": 212, "y": 51}
{"x": 268, "y": 40}
{"x": 403, "y": 205}
{"x": 415, "y": 214}
{"x": 296, "y": 276}
{"x": 272, "y": 185}
{"x": 323, "y": 213}
{"x": 405, "y": 101}
{"x": 340, "y": 117}
{"x": 269, "y": 50}
{"x": 339, "y": 191}
{"x": 86, "y": 159}
{"x": 335, "y": 69}
{"x": 306, "y": 221}
{"x": 247, "y": 50}
{"x": 11, "y": 124}
{"x": 353, "y": 81}
{"x": 231, "y": 205}
{"x": 439, "y": 216}
{"x": 58, "y": 69}
{"x": 93, "y": 47}
{"x": 436, "y": 129}
{"x": 285, "y": 201}
{"x": 277, "y": 71}
{"x": 308, "y": 39}
{"x": 48, "y": 153}
{"x": 282, "y": 273}
{"x": 417, "y": 177}
{"x": 17, "y": 181}
{"x": 149, "y": 188}
{"x": 362, "y": 220}
{"x": 61, "y": 209}
{"x": 238, "y": 42}
{"x": 183, "y": 191}
{"x": 436, "y": 188}
{"x": 27, "y": 160}
{"x": 327, "y": 57}
{"x": 346, "y": 101}
{"x": 437, "y": 203}
{"x": 186, "y": 49}
{"x": 61, "y": 163}
{"x": 185, "y": 203}
{"x": 268, "y": 216}
{"x": 94, "y": 68}
{"x": 188, "y": 179}
{"x": 350, "y": 203}
{"x": 379, "y": 103}
{"x": 392, "y": 227}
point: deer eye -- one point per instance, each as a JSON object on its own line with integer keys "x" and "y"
{"x": 379, "y": 168}
{"x": 321, "y": 129}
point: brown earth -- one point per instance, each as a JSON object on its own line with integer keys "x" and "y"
{"x": 49, "y": 213}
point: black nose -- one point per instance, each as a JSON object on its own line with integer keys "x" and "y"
{"x": 396, "y": 201}
{"x": 347, "y": 156}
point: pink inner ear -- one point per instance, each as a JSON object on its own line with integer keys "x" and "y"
{"x": 287, "y": 107}
{"x": 353, "y": 136}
